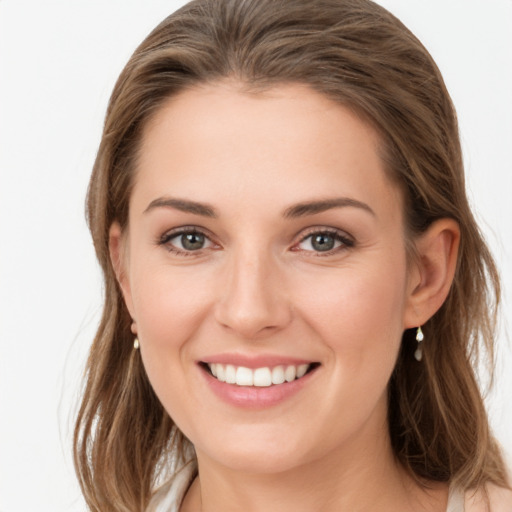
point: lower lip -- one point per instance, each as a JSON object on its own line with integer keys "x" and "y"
{"x": 254, "y": 397}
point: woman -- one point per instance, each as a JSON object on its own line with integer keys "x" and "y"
{"x": 295, "y": 287}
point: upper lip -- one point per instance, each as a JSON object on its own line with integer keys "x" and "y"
{"x": 255, "y": 361}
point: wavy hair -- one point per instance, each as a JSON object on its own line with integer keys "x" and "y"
{"x": 357, "y": 54}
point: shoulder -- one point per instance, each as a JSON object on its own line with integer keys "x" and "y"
{"x": 498, "y": 499}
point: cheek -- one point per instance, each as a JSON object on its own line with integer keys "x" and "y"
{"x": 369, "y": 298}
{"x": 168, "y": 303}
{"x": 358, "y": 313}
{"x": 169, "y": 307}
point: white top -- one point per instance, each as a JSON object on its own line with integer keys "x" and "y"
{"x": 455, "y": 501}
{"x": 170, "y": 496}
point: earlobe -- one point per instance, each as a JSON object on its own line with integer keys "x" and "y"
{"x": 433, "y": 272}
{"x": 118, "y": 260}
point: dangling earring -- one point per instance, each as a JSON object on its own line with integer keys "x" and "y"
{"x": 418, "y": 354}
{"x": 136, "y": 343}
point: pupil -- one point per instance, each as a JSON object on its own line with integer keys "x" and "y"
{"x": 322, "y": 242}
{"x": 192, "y": 241}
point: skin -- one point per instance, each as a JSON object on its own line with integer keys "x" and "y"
{"x": 259, "y": 286}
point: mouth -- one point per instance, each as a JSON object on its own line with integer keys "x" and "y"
{"x": 265, "y": 376}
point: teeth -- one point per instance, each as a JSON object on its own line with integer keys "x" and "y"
{"x": 230, "y": 374}
{"x": 262, "y": 377}
{"x": 290, "y": 373}
{"x": 244, "y": 376}
{"x": 259, "y": 377}
{"x": 278, "y": 375}
{"x": 301, "y": 370}
{"x": 221, "y": 373}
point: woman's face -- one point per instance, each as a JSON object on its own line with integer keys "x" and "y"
{"x": 266, "y": 240}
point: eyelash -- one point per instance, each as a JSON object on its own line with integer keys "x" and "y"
{"x": 339, "y": 236}
{"x": 165, "y": 239}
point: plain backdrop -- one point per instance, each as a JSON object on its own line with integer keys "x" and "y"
{"x": 58, "y": 64}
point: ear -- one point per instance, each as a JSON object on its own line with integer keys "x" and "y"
{"x": 432, "y": 272}
{"x": 118, "y": 256}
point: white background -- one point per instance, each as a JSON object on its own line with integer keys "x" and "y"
{"x": 58, "y": 64}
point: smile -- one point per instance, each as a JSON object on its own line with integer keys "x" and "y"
{"x": 256, "y": 382}
{"x": 258, "y": 377}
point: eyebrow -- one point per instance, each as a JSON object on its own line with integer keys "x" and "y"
{"x": 295, "y": 211}
{"x": 314, "y": 207}
{"x": 184, "y": 205}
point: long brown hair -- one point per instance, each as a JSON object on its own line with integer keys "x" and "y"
{"x": 358, "y": 54}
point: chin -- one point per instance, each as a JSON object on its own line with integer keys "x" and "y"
{"x": 259, "y": 461}
{"x": 259, "y": 452}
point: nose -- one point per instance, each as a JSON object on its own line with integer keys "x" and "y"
{"x": 253, "y": 301}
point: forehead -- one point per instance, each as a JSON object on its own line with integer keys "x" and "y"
{"x": 220, "y": 138}
{"x": 294, "y": 109}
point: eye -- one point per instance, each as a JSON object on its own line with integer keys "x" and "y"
{"x": 325, "y": 241}
{"x": 189, "y": 241}
{"x": 186, "y": 241}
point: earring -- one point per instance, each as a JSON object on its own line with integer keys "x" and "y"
{"x": 418, "y": 354}
{"x": 136, "y": 343}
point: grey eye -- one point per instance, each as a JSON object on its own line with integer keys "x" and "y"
{"x": 192, "y": 241}
{"x": 322, "y": 242}
{"x": 186, "y": 241}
